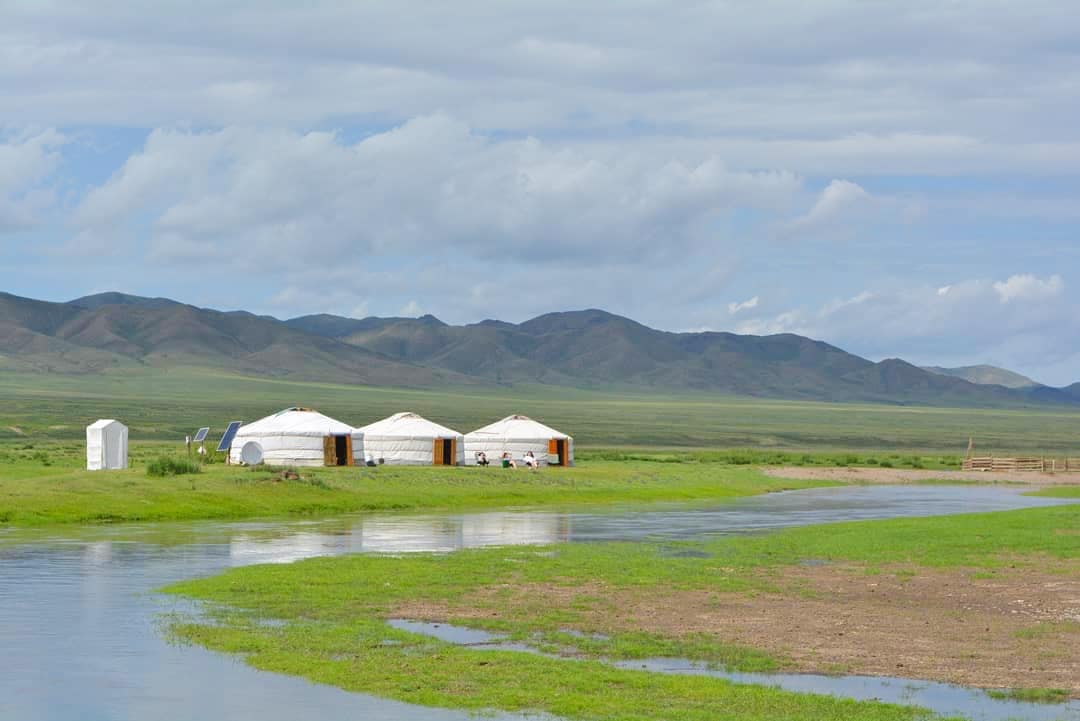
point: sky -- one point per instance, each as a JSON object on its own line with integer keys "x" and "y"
{"x": 898, "y": 179}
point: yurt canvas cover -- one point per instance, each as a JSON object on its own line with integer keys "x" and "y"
{"x": 409, "y": 439}
{"x": 516, "y": 435}
{"x": 297, "y": 437}
{"x": 106, "y": 445}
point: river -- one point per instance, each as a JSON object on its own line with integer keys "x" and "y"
{"x": 80, "y": 622}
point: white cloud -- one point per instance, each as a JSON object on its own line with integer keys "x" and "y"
{"x": 1027, "y": 288}
{"x": 27, "y": 160}
{"x": 429, "y": 187}
{"x": 750, "y": 304}
{"x": 840, "y": 204}
{"x": 990, "y": 87}
{"x": 1024, "y": 321}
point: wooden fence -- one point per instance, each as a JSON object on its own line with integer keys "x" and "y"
{"x": 1022, "y": 463}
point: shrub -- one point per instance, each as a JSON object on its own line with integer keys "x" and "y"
{"x": 166, "y": 466}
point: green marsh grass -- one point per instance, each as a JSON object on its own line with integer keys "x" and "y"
{"x": 1031, "y": 695}
{"x": 334, "y": 611}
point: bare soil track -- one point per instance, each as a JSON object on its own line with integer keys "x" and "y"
{"x": 902, "y": 475}
{"x": 1015, "y": 627}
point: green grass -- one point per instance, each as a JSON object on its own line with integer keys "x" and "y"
{"x": 1048, "y": 628}
{"x": 168, "y": 466}
{"x": 334, "y": 611}
{"x": 43, "y": 483}
{"x": 985, "y": 540}
{"x": 1059, "y": 492}
{"x": 158, "y": 404}
{"x": 1031, "y": 695}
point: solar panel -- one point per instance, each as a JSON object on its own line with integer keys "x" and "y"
{"x": 227, "y": 439}
{"x": 201, "y": 434}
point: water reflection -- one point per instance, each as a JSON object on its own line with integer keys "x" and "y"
{"x": 442, "y": 533}
{"x": 405, "y": 534}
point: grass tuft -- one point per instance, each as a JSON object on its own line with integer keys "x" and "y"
{"x": 1030, "y": 695}
{"x": 169, "y": 466}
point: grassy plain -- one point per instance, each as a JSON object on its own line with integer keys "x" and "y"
{"x": 334, "y": 612}
{"x": 42, "y": 483}
{"x": 165, "y": 405}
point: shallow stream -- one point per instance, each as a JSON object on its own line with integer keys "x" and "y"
{"x": 79, "y": 618}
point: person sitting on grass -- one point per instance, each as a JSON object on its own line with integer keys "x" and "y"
{"x": 508, "y": 460}
{"x": 481, "y": 458}
{"x": 530, "y": 460}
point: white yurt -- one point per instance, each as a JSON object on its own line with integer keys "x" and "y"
{"x": 516, "y": 435}
{"x": 406, "y": 439}
{"x": 294, "y": 437}
{"x": 106, "y": 445}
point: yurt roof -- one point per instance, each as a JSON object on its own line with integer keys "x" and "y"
{"x": 295, "y": 421}
{"x": 518, "y": 426}
{"x": 407, "y": 424}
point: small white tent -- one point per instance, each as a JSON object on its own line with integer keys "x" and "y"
{"x": 106, "y": 445}
{"x": 411, "y": 440}
{"x": 297, "y": 437}
{"x": 516, "y": 435}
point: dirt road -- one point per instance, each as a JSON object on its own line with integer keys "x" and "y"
{"x": 906, "y": 475}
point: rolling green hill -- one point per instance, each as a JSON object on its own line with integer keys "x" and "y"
{"x": 589, "y": 349}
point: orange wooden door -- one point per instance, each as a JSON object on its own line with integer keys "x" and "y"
{"x": 328, "y": 451}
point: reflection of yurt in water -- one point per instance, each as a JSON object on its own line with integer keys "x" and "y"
{"x": 245, "y": 550}
{"x": 513, "y": 529}
{"x": 517, "y": 435}
{"x": 297, "y": 437}
{"x": 408, "y": 534}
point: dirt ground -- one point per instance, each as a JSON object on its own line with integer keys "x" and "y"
{"x": 1012, "y": 628}
{"x": 901, "y": 475}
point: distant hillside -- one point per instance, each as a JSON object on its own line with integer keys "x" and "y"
{"x": 582, "y": 349}
{"x": 91, "y": 302}
{"x": 985, "y": 375}
{"x": 86, "y": 337}
{"x": 596, "y": 349}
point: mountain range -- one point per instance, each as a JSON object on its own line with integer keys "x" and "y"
{"x": 581, "y": 349}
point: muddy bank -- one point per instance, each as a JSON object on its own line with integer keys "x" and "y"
{"x": 1008, "y": 628}
{"x": 903, "y": 475}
